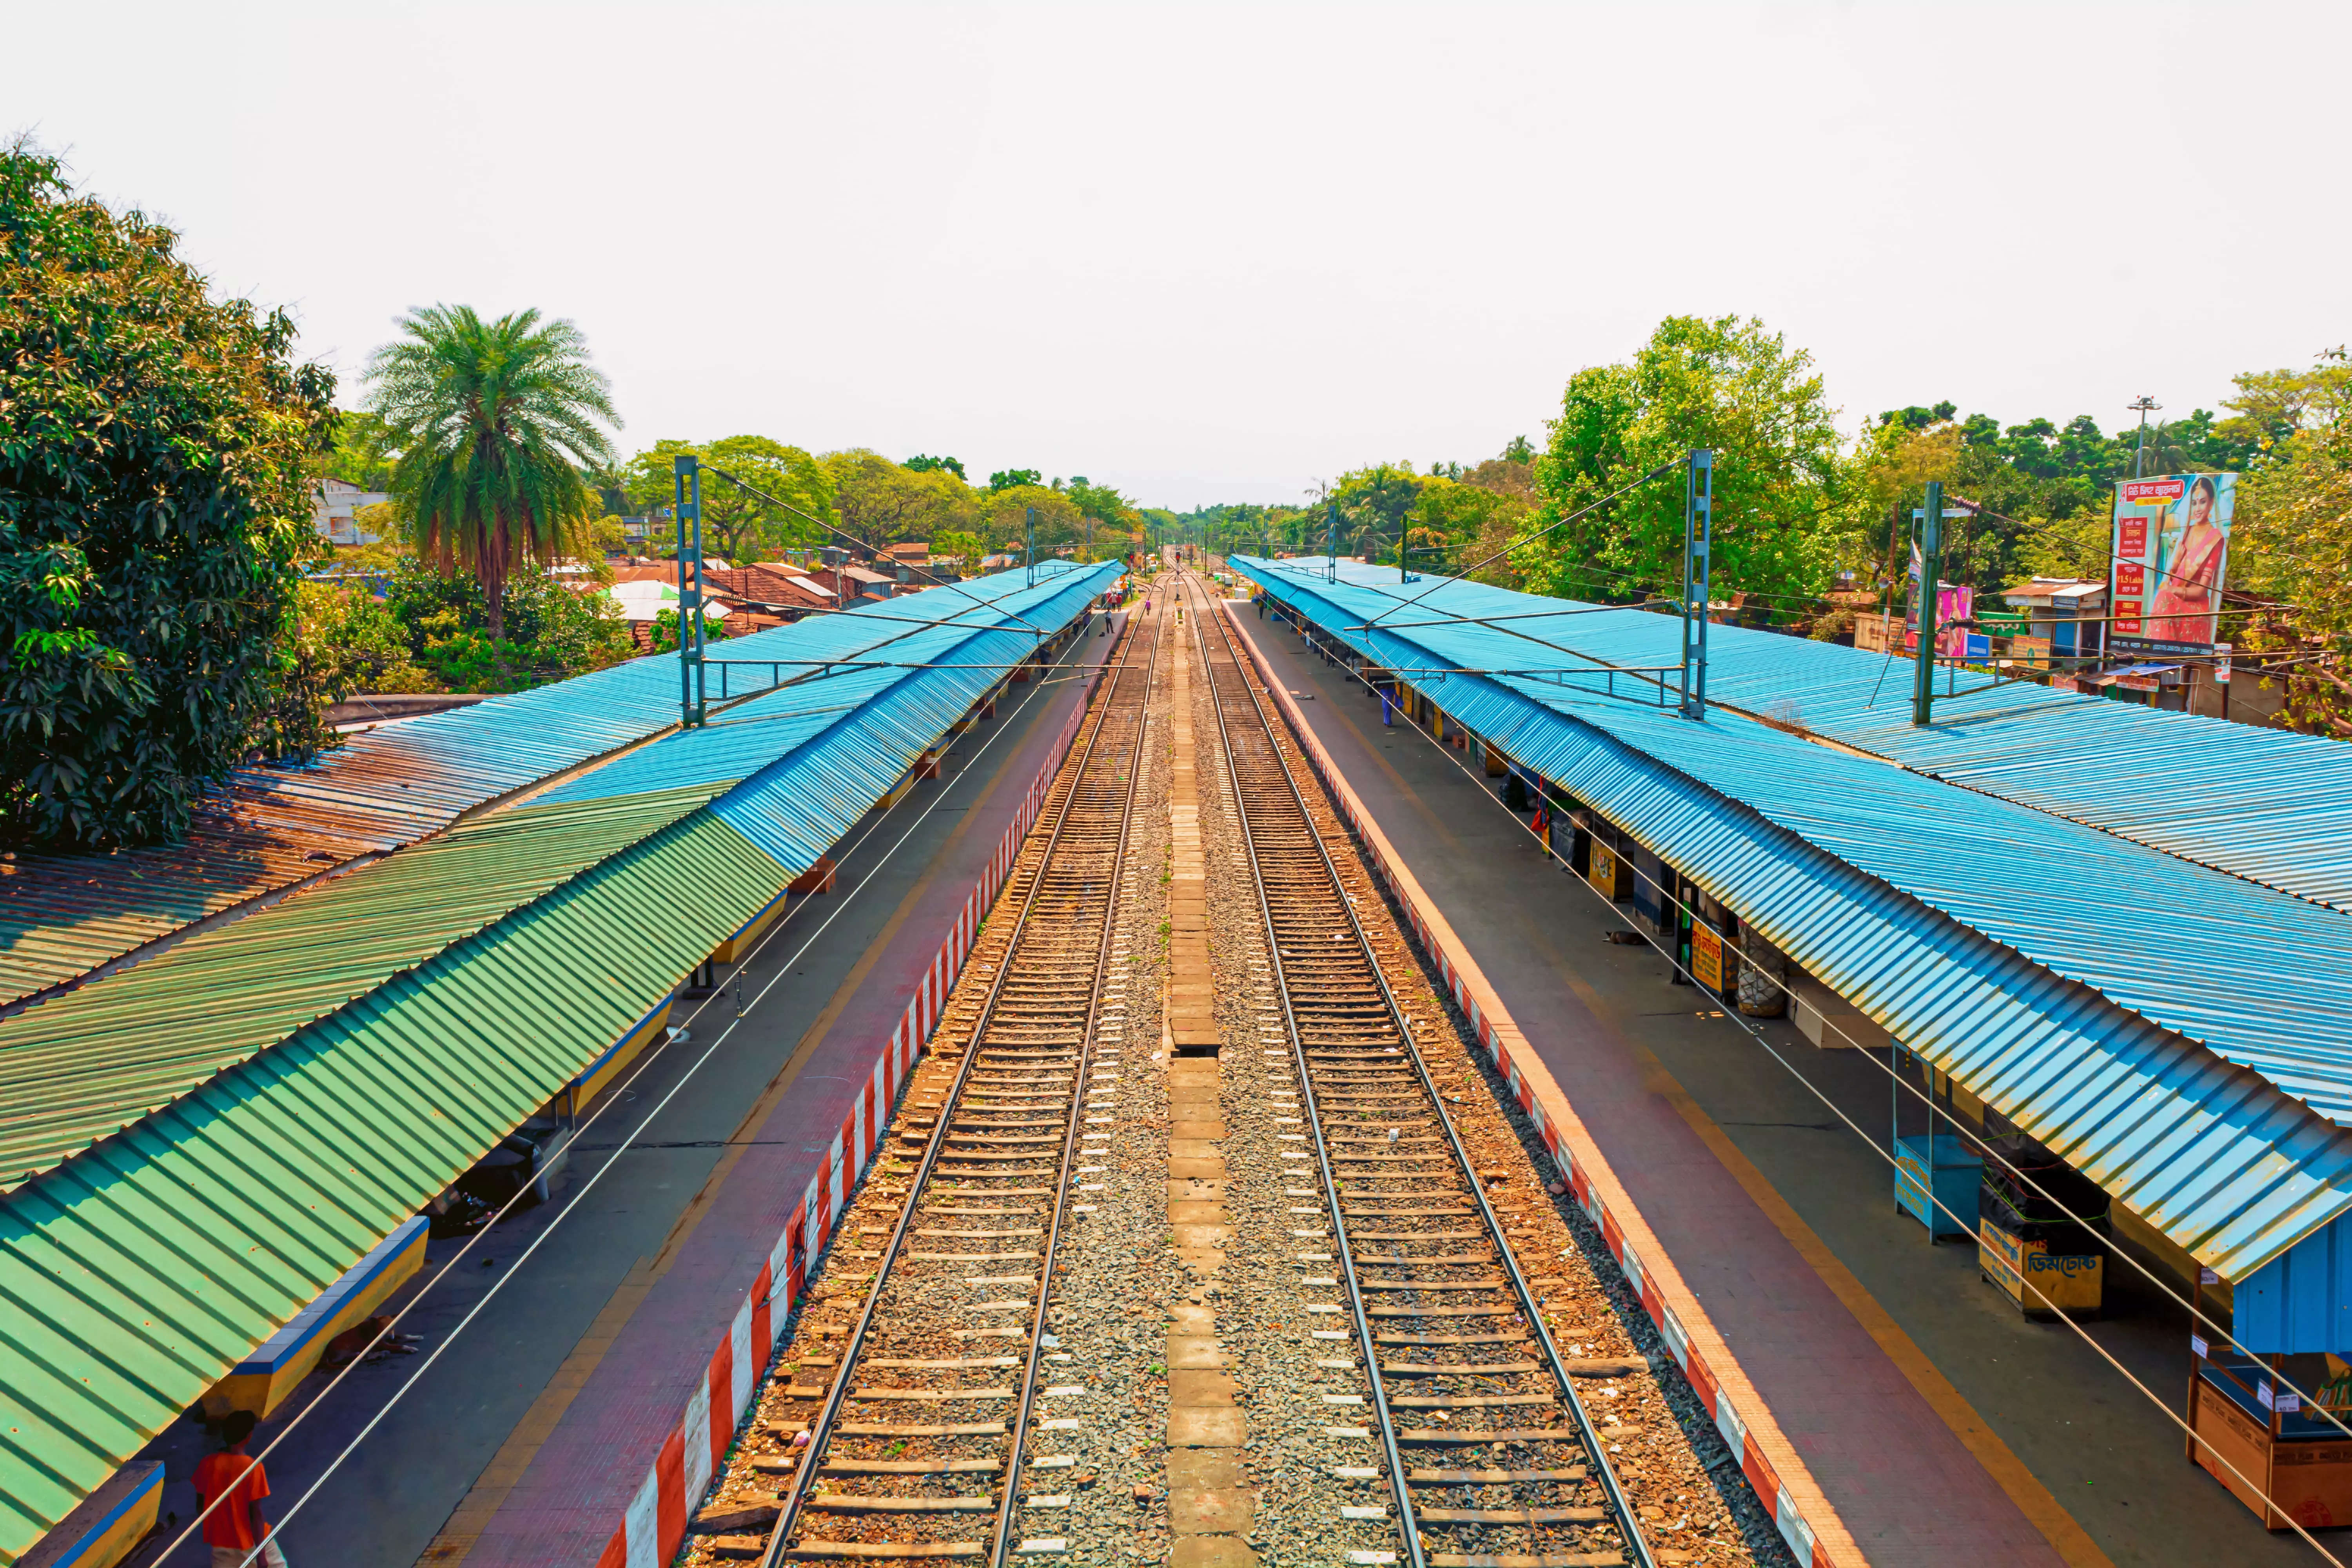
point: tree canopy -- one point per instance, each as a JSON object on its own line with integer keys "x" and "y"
{"x": 496, "y": 422}
{"x": 156, "y": 448}
{"x": 792, "y": 512}
{"x": 1781, "y": 496}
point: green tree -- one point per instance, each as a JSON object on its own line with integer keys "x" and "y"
{"x": 956, "y": 545}
{"x": 792, "y": 512}
{"x": 1781, "y": 506}
{"x": 156, "y": 447}
{"x": 350, "y": 642}
{"x": 1004, "y": 518}
{"x": 548, "y": 628}
{"x": 495, "y": 421}
{"x": 363, "y": 452}
{"x": 881, "y": 502}
{"x": 1009, "y": 478}
{"x": 1373, "y": 504}
{"x": 2292, "y": 540}
{"x": 922, "y": 464}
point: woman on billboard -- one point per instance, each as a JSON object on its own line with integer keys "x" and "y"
{"x": 2189, "y": 581}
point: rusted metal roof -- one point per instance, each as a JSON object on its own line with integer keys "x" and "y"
{"x": 81, "y": 1065}
{"x": 221, "y": 1131}
{"x": 271, "y": 828}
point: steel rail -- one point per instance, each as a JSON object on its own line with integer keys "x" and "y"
{"x": 1313, "y": 1114}
{"x": 821, "y": 1424}
{"x": 1619, "y": 1505}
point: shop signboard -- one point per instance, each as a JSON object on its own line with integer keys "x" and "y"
{"x": 2171, "y": 558}
{"x": 2033, "y": 653}
{"x": 1707, "y": 956}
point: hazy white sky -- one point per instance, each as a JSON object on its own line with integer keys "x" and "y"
{"x": 1211, "y": 253}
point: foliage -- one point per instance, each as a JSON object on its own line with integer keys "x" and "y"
{"x": 1370, "y": 505}
{"x": 922, "y": 464}
{"x": 1780, "y": 500}
{"x": 155, "y": 453}
{"x": 881, "y": 502}
{"x": 1009, "y": 478}
{"x": 349, "y": 641}
{"x": 495, "y": 421}
{"x": 2292, "y": 540}
{"x": 957, "y": 544}
{"x": 546, "y": 630}
{"x": 1476, "y": 520}
{"x": 1004, "y": 518}
{"x": 737, "y": 524}
{"x": 665, "y": 631}
{"x": 364, "y": 451}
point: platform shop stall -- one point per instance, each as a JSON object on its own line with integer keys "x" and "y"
{"x": 2041, "y": 1230}
{"x": 2276, "y": 1410}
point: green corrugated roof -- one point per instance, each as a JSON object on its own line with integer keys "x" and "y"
{"x": 83, "y": 1064}
{"x": 231, "y": 1182}
{"x": 130, "y": 1280}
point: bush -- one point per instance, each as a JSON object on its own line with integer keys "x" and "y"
{"x": 154, "y": 506}
{"x": 551, "y": 630}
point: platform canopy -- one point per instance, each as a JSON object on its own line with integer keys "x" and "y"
{"x": 201, "y": 1142}
{"x": 2174, "y": 1028}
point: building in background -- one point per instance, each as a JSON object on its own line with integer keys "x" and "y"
{"x": 336, "y": 514}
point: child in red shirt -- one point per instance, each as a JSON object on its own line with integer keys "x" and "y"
{"x": 235, "y": 1526}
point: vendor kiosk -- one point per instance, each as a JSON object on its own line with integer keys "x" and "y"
{"x": 2295, "y": 1460}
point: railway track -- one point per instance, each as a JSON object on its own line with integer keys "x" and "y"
{"x": 1488, "y": 1453}
{"x": 918, "y": 1443}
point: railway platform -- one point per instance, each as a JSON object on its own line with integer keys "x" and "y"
{"x": 1942, "y": 1426}
{"x": 1939, "y": 1423}
{"x": 525, "y": 1442}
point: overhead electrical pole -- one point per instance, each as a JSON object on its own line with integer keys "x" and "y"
{"x": 1031, "y": 525}
{"x": 1928, "y": 545}
{"x": 1698, "y": 531}
{"x": 687, "y": 472}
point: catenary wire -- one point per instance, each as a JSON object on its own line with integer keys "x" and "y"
{"x": 615, "y": 1099}
{"x": 1914, "y": 1090}
{"x": 1757, "y": 1034}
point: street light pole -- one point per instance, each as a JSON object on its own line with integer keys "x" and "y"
{"x": 2146, "y": 405}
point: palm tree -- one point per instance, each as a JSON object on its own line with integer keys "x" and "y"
{"x": 496, "y": 422}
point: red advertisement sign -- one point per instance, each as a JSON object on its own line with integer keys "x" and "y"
{"x": 2171, "y": 554}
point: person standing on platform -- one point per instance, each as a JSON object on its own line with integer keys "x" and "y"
{"x": 235, "y": 1528}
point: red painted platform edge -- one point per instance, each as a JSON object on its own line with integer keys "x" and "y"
{"x": 654, "y": 1524}
{"x": 1802, "y": 1512}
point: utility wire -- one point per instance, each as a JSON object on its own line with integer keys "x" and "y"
{"x": 1789, "y": 993}
{"x": 614, "y": 1101}
{"x": 1839, "y": 1111}
{"x": 1659, "y": 472}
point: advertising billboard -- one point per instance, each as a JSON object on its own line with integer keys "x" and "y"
{"x": 2171, "y": 555}
{"x": 1954, "y": 602}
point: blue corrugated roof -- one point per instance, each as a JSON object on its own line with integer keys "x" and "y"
{"x": 807, "y": 761}
{"x": 1879, "y": 879}
{"x": 2265, "y": 804}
